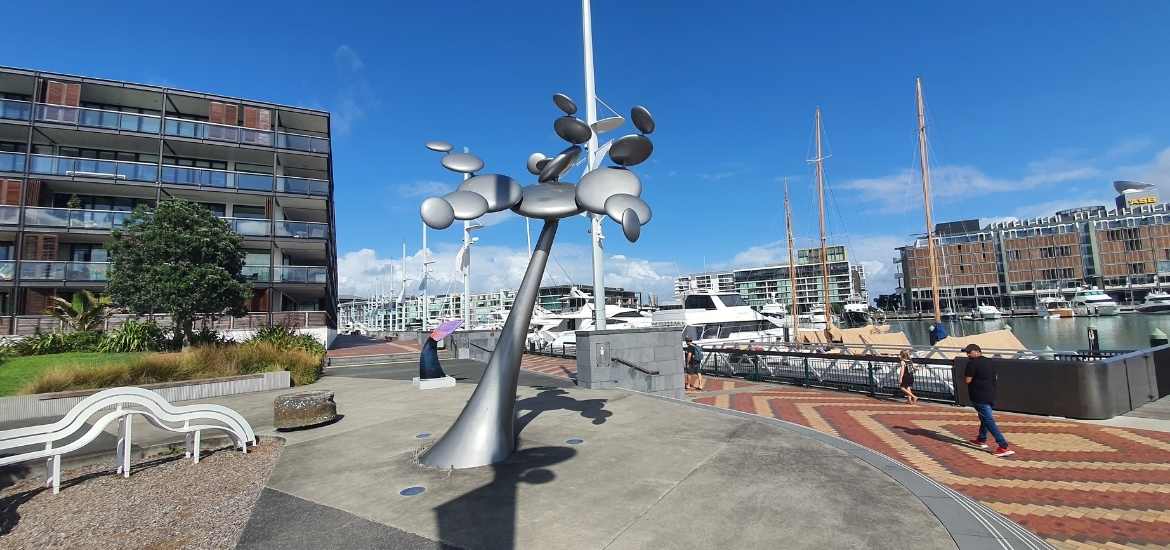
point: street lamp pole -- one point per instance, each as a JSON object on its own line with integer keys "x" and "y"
{"x": 590, "y": 119}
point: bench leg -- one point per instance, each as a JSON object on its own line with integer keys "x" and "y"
{"x": 198, "y": 446}
{"x": 126, "y": 427}
{"x": 188, "y": 440}
{"x": 56, "y": 474}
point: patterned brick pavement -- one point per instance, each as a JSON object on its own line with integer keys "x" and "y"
{"x": 354, "y": 346}
{"x": 559, "y": 367}
{"x": 1078, "y": 485}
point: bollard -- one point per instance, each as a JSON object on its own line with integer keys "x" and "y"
{"x": 1157, "y": 338}
{"x": 1094, "y": 342}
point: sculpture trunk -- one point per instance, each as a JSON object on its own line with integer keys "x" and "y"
{"x": 485, "y": 431}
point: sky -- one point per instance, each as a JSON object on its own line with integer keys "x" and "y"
{"x": 1032, "y": 107}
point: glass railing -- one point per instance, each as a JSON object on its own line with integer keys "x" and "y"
{"x": 301, "y": 142}
{"x": 302, "y": 274}
{"x": 75, "y": 218}
{"x": 9, "y": 215}
{"x": 118, "y": 170}
{"x": 216, "y": 132}
{"x": 14, "y": 109}
{"x": 64, "y": 271}
{"x": 302, "y": 186}
{"x": 207, "y": 177}
{"x": 11, "y": 162}
{"x": 257, "y": 273}
{"x": 98, "y": 118}
{"x": 302, "y": 230}
{"x": 250, "y": 227}
{"x": 7, "y": 270}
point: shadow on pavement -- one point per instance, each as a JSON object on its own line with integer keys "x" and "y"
{"x": 556, "y": 399}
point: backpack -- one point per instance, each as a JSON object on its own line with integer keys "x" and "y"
{"x": 696, "y": 354}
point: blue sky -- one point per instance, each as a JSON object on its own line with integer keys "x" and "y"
{"x": 1032, "y": 106}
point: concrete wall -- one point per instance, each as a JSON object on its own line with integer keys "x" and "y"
{"x": 324, "y": 335}
{"x": 653, "y": 349}
{"x": 473, "y": 344}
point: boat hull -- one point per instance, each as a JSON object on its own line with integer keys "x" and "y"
{"x": 1156, "y": 309}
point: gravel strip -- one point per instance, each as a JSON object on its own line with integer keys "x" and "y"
{"x": 165, "y": 504}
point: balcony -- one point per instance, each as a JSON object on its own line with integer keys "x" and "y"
{"x": 311, "y": 274}
{"x": 75, "y": 218}
{"x": 302, "y": 186}
{"x": 98, "y": 118}
{"x": 217, "y": 132}
{"x": 9, "y": 215}
{"x": 302, "y": 230}
{"x": 257, "y": 273}
{"x": 218, "y": 179}
{"x": 73, "y": 167}
{"x": 13, "y": 109}
{"x": 7, "y": 270}
{"x": 301, "y": 142}
{"x": 12, "y": 162}
{"x": 64, "y": 271}
{"x": 250, "y": 227}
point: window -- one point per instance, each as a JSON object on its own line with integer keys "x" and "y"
{"x": 1135, "y": 269}
{"x": 732, "y": 300}
{"x": 699, "y": 301}
{"x": 254, "y": 212}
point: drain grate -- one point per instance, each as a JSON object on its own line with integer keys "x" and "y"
{"x": 574, "y": 441}
{"x": 423, "y": 435}
{"x": 412, "y": 491}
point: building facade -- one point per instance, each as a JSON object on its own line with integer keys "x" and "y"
{"x": 772, "y": 284}
{"x": 1124, "y": 251}
{"x": 77, "y": 154}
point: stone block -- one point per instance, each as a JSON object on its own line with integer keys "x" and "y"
{"x": 303, "y": 409}
{"x": 433, "y": 383}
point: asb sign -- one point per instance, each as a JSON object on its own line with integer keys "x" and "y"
{"x": 1141, "y": 201}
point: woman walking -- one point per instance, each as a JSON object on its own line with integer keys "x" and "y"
{"x": 906, "y": 376}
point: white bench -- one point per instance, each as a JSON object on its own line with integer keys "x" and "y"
{"x": 121, "y": 404}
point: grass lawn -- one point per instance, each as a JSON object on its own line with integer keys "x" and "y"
{"x": 18, "y": 371}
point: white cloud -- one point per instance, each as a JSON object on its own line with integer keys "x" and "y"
{"x": 355, "y": 97}
{"x": 423, "y": 188}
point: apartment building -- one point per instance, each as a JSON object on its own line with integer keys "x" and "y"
{"x": 1124, "y": 251}
{"x": 77, "y": 154}
{"x": 772, "y": 284}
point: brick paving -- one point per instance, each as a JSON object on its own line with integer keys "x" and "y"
{"x": 354, "y": 346}
{"x": 560, "y": 367}
{"x": 1078, "y": 485}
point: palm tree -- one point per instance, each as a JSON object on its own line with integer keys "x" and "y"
{"x": 85, "y": 312}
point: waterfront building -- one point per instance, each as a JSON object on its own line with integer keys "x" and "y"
{"x": 1010, "y": 264}
{"x": 772, "y": 284}
{"x": 77, "y": 154}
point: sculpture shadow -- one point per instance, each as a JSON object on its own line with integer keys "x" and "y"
{"x": 486, "y": 516}
{"x": 557, "y": 399}
{"x": 935, "y": 436}
{"x": 329, "y": 422}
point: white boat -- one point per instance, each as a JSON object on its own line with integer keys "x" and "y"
{"x": 1054, "y": 307}
{"x": 559, "y": 330}
{"x": 856, "y": 312}
{"x": 984, "y": 312}
{"x": 1090, "y": 301}
{"x": 711, "y": 318}
{"x": 815, "y": 318}
{"x": 1157, "y": 302}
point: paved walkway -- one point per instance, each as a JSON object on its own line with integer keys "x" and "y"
{"x": 348, "y": 345}
{"x": 1078, "y": 485}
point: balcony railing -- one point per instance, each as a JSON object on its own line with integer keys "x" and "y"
{"x": 12, "y": 162}
{"x": 7, "y": 270}
{"x": 250, "y": 227}
{"x": 98, "y": 118}
{"x": 221, "y": 179}
{"x": 64, "y": 271}
{"x": 302, "y": 274}
{"x": 301, "y": 142}
{"x": 75, "y": 218}
{"x": 9, "y": 215}
{"x": 117, "y": 170}
{"x": 14, "y": 109}
{"x": 257, "y": 273}
{"x": 302, "y": 186}
{"x": 216, "y": 132}
{"x": 302, "y": 230}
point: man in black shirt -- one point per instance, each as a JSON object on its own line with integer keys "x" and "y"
{"x": 981, "y": 384}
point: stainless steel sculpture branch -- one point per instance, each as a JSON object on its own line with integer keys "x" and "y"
{"x": 485, "y": 432}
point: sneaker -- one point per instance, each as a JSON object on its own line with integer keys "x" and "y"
{"x": 977, "y": 443}
{"x": 1004, "y": 451}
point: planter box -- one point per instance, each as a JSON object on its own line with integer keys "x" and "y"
{"x": 42, "y": 405}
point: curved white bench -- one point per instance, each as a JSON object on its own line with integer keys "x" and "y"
{"x": 125, "y": 403}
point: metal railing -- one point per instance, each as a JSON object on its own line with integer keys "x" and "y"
{"x": 301, "y": 274}
{"x": 564, "y": 350}
{"x": 302, "y": 142}
{"x": 74, "y": 167}
{"x": 302, "y": 230}
{"x": 89, "y": 117}
{"x": 642, "y": 370}
{"x": 257, "y": 273}
{"x": 302, "y": 186}
{"x": 64, "y": 271}
{"x": 197, "y": 129}
{"x": 75, "y": 218}
{"x": 250, "y": 227}
{"x": 7, "y": 270}
{"x": 12, "y": 162}
{"x": 220, "y": 179}
{"x": 31, "y": 324}
{"x": 15, "y": 109}
{"x": 9, "y": 215}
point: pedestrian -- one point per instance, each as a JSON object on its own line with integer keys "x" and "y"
{"x": 693, "y": 379}
{"x": 981, "y": 381}
{"x": 906, "y": 376}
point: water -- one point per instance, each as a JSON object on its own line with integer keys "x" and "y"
{"x": 1126, "y": 331}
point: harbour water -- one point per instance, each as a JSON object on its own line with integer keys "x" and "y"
{"x": 1120, "y": 332}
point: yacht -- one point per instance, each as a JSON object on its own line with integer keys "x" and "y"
{"x": 1157, "y": 302}
{"x": 711, "y": 318}
{"x": 1094, "y": 301}
{"x": 559, "y": 330}
{"x": 985, "y": 312}
{"x": 815, "y": 318}
{"x": 856, "y": 312}
{"x": 1054, "y": 307}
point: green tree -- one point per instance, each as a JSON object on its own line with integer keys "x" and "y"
{"x": 178, "y": 259}
{"x": 84, "y": 312}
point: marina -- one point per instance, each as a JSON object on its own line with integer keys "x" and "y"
{"x": 1119, "y": 332}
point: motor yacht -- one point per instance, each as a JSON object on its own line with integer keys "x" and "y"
{"x": 1094, "y": 301}
{"x": 1157, "y": 302}
{"x": 985, "y": 312}
{"x": 856, "y": 312}
{"x": 1054, "y": 307}
{"x": 711, "y": 318}
{"x": 815, "y": 318}
{"x": 559, "y": 330}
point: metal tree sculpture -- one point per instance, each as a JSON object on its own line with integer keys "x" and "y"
{"x": 485, "y": 432}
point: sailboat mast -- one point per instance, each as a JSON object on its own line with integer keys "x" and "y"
{"x": 791, "y": 262}
{"x": 925, "y": 164}
{"x": 820, "y": 163}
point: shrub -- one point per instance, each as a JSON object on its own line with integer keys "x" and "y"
{"x": 284, "y": 337}
{"x": 43, "y": 343}
{"x": 205, "y": 337}
{"x": 135, "y": 335}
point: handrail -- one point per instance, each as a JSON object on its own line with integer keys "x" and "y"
{"x": 480, "y": 348}
{"x": 635, "y": 367}
{"x": 81, "y": 108}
